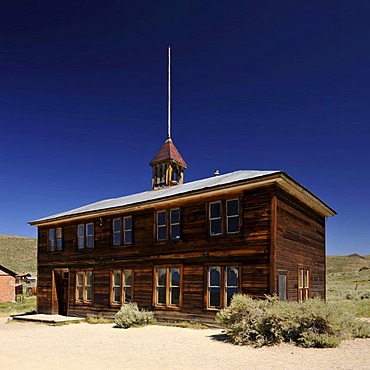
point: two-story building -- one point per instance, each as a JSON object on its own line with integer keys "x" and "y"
{"x": 183, "y": 249}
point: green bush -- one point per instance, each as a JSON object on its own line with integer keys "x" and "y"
{"x": 130, "y": 315}
{"x": 312, "y": 323}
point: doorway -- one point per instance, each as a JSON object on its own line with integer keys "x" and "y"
{"x": 60, "y": 294}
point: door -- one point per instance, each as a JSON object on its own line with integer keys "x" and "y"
{"x": 60, "y": 296}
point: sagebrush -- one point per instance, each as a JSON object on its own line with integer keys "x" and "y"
{"x": 312, "y": 323}
{"x": 130, "y": 315}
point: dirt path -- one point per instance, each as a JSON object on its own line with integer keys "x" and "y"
{"x": 39, "y": 346}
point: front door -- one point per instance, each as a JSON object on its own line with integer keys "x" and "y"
{"x": 60, "y": 294}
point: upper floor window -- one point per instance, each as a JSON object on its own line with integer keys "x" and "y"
{"x": 121, "y": 286}
{"x": 55, "y": 240}
{"x": 224, "y": 217}
{"x": 84, "y": 286}
{"x": 222, "y": 284}
{"x": 168, "y": 224}
{"x": 122, "y": 231}
{"x": 85, "y": 235}
{"x": 168, "y": 286}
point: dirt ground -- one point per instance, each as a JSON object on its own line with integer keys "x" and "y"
{"x": 40, "y": 346}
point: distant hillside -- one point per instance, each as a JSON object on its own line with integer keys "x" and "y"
{"x": 347, "y": 275}
{"x": 18, "y": 254}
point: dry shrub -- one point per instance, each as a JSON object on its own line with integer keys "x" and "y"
{"x": 312, "y": 323}
{"x": 130, "y": 315}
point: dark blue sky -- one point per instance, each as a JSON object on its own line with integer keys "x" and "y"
{"x": 255, "y": 85}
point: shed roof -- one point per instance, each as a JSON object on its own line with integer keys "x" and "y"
{"x": 6, "y": 271}
{"x": 204, "y": 185}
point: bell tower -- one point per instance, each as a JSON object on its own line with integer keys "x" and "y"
{"x": 168, "y": 165}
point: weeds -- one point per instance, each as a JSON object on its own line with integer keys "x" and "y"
{"x": 312, "y": 323}
{"x": 130, "y": 315}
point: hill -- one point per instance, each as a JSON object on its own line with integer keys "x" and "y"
{"x": 18, "y": 254}
{"x": 347, "y": 276}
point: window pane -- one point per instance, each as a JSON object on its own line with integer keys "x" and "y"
{"x": 128, "y": 237}
{"x": 88, "y": 277}
{"x": 128, "y": 297}
{"x": 229, "y": 294}
{"x": 175, "y": 296}
{"x": 89, "y": 229}
{"x": 117, "y": 277}
{"x": 89, "y": 293}
{"x": 214, "y": 276}
{"x": 79, "y": 293}
{"x": 117, "y": 239}
{"x": 306, "y": 279}
{"x": 117, "y": 225}
{"x": 232, "y": 207}
{"x": 232, "y": 274}
{"x": 175, "y": 277}
{"x": 59, "y": 233}
{"x": 233, "y": 224}
{"x": 214, "y": 297}
{"x": 81, "y": 231}
{"x": 80, "y": 278}
{"x": 161, "y": 277}
{"x": 215, "y": 210}
{"x": 128, "y": 223}
{"x": 216, "y": 226}
{"x": 128, "y": 277}
{"x": 161, "y": 218}
{"x": 161, "y": 295}
{"x": 162, "y": 233}
{"x": 175, "y": 216}
{"x": 117, "y": 294}
{"x": 175, "y": 231}
{"x": 90, "y": 242}
{"x": 300, "y": 279}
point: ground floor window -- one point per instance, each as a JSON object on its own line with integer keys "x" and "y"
{"x": 121, "y": 286}
{"x": 84, "y": 286}
{"x": 222, "y": 283}
{"x": 303, "y": 284}
{"x": 168, "y": 286}
{"x": 282, "y": 288}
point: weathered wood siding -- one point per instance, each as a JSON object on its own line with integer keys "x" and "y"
{"x": 194, "y": 251}
{"x": 300, "y": 242}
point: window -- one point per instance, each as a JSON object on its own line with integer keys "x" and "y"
{"x": 168, "y": 221}
{"x": 85, "y": 236}
{"x": 175, "y": 223}
{"x": 55, "y": 241}
{"x": 232, "y": 216}
{"x": 224, "y": 217}
{"x": 168, "y": 286}
{"x": 222, "y": 284}
{"x": 84, "y": 286}
{"x": 117, "y": 231}
{"x": 303, "y": 284}
{"x": 215, "y": 219}
{"x": 161, "y": 226}
{"x": 282, "y": 289}
{"x": 122, "y": 286}
{"x": 126, "y": 231}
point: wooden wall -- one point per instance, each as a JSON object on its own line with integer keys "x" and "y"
{"x": 250, "y": 248}
{"x": 300, "y": 242}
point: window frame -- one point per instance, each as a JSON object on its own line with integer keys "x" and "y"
{"x": 84, "y": 286}
{"x": 304, "y": 283}
{"x": 282, "y": 273}
{"x": 114, "y": 232}
{"x": 167, "y": 225}
{"x": 53, "y": 243}
{"x": 223, "y": 284}
{"x": 122, "y": 286}
{"x": 168, "y": 287}
{"x": 83, "y": 236}
{"x": 125, "y": 230}
{"x": 224, "y": 217}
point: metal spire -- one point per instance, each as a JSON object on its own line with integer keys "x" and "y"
{"x": 169, "y": 92}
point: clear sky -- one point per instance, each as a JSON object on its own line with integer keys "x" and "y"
{"x": 257, "y": 84}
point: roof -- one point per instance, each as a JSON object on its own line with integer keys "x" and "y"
{"x": 204, "y": 185}
{"x": 7, "y": 271}
{"x": 168, "y": 152}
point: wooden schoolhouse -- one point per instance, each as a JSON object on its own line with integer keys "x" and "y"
{"x": 183, "y": 249}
